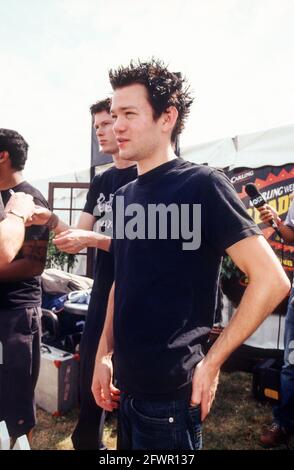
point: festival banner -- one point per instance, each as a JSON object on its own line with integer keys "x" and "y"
{"x": 275, "y": 183}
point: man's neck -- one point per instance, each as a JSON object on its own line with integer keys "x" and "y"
{"x": 157, "y": 159}
{"x": 120, "y": 163}
{"x": 11, "y": 180}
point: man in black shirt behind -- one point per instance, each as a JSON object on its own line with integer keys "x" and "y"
{"x": 167, "y": 265}
{"x": 89, "y": 429}
{"x": 20, "y": 298}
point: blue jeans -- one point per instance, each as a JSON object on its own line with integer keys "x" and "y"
{"x": 284, "y": 412}
{"x": 164, "y": 425}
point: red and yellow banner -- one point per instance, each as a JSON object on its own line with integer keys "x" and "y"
{"x": 275, "y": 184}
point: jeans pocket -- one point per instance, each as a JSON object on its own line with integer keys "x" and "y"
{"x": 152, "y": 427}
{"x": 150, "y": 412}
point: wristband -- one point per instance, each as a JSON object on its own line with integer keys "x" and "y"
{"x": 11, "y": 211}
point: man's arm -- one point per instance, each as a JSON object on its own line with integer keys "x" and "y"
{"x": 31, "y": 259}
{"x": 32, "y": 264}
{"x": 44, "y": 216}
{"x": 18, "y": 209}
{"x": 268, "y": 213}
{"x": 105, "y": 394}
{"x": 268, "y": 285}
{"x": 9, "y": 246}
{"x": 75, "y": 240}
{"x": 70, "y": 239}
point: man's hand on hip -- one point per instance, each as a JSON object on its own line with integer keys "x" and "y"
{"x": 204, "y": 385}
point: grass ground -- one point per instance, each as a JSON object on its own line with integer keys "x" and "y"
{"x": 235, "y": 422}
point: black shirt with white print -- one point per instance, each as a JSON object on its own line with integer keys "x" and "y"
{"x": 99, "y": 204}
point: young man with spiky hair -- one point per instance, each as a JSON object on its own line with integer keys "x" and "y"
{"x": 20, "y": 296}
{"x": 88, "y": 432}
{"x": 162, "y": 307}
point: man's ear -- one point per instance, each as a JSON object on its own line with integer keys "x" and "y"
{"x": 4, "y": 155}
{"x": 170, "y": 117}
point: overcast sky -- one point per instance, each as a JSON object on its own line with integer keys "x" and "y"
{"x": 55, "y": 55}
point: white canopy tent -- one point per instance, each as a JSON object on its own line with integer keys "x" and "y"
{"x": 273, "y": 147}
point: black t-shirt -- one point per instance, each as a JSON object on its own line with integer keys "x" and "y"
{"x": 99, "y": 204}
{"x": 165, "y": 297}
{"x": 2, "y": 213}
{"x": 25, "y": 293}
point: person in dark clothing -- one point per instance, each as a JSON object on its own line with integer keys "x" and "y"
{"x": 171, "y": 228}
{"x": 102, "y": 189}
{"x": 89, "y": 429}
{"x": 282, "y": 426}
{"x": 19, "y": 209}
{"x": 20, "y": 299}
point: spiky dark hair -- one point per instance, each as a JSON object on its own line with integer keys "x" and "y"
{"x": 99, "y": 106}
{"x": 13, "y": 143}
{"x": 164, "y": 88}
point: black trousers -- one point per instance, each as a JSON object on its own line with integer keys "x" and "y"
{"x": 88, "y": 432}
{"x": 19, "y": 367}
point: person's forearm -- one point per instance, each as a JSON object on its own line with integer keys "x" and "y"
{"x": 97, "y": 240}
{"x": 101, "y": 241}
{"x": 287, "y": 232}
{"x": 86, "y": 222}
{"x": 259, "y": 300}
{"x": 11, "y": 237}
{"x": 105, "y": 347}
{"x": 61, "y": 227}
{"x": 269, "y": 215}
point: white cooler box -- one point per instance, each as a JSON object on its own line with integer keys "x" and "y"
{"x": 57, "y": 386}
